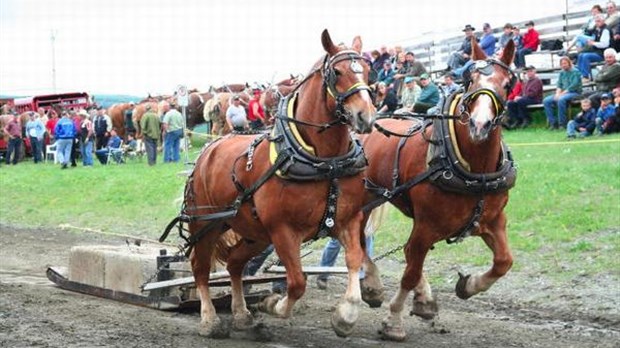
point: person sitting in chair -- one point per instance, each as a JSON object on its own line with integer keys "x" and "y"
{"x": 114, "y": 146}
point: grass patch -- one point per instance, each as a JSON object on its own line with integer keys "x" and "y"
{"x": 563, "y": 214}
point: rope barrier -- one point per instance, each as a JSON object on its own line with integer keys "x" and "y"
{"x": 574, "y": 142}
{"x": 86, "y": 229}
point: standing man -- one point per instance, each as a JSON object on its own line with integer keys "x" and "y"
{"x": 65, "y": 133}
{"x": 531, "y": 93}
{"x": 14, "y": 130}
{"x": 256, "y": 114}
{"x": 103, "y": 126}
{"x": 35, "y": 131}
{"x": 568, "y": 87}
{"x": 172, "y": 126}
{"x": 235, "y": 115}
{"x": 149, "y": 123}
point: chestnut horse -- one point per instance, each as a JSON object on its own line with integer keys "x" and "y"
{"x": 139, "y": 111}
{"x": 270, "y": 98}
{"x": 195, "y": 108}
{"x": 234, "y": 185}
{"x": 450, "y": 192}
{"x": 117, "y": 115}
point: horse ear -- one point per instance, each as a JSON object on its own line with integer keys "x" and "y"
{"x": 476, "y": 52}
{"x": 328, "y": 45}
{"x": 357, "y": 44}
{"x": 508, "y": 53}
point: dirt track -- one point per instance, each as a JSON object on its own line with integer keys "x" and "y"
{"x": 34, "y": 312}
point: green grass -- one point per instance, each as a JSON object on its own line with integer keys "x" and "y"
{"x": 563, "y": 214}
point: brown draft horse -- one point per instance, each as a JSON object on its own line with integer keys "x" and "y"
{"x": 117, "y": 115}
{"x": 195, "y": 108}
{"x": 281, "y": 211}
{"x": 438, "y": 214}
{"x": 138, "y": 111}
{"x": 272, "y": 95}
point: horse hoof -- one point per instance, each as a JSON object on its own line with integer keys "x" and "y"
{"x": 217, "y": 329}
{"x": 268, "y": 305}
{"x": 461, "y": 285}
{"x": 373, "y": 297}
{"x": 426, "y": 311}
{"x": 390, "y": 333}
{"x": 341, "y": 327}
{"x": 242, "y": 322}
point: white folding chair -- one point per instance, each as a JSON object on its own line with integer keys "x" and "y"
{"x": 50, "y": 153}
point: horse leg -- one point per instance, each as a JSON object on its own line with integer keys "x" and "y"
{"x": 242, "y": 253}
{"x": 496, "y": 239}
{"x": 373, "y": 291}
{"x": 211, "y": 325}
{"x": 287, "y": 248}
{"x": 346, "y": 313}
{"x": 413, "y": 279}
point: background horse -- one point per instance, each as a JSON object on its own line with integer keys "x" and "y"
{"x": 437, "y": 213}
{"x": 139, "y": 111}
{"x": 273, "y": 212}
{"x": 117, "y": 115}
{"x": 215, "y": 111}
{"x": 270, "y": 98}
{"x": 195, "y": 108}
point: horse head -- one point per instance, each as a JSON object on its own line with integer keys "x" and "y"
{"x": 488, "y": 83}
{"x": 345, "y": 79}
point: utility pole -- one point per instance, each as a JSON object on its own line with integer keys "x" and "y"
{"x": 53, "y": 38}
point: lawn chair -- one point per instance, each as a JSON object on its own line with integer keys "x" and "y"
{"x": 50, "y": 153}
{"x": 115, "y": 154}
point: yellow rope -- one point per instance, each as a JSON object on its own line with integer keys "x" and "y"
{"x": 574, "y": 142}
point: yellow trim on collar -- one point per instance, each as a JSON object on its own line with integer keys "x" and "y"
{"x": 273, "y": 152}
{"x": 452, "y": 131}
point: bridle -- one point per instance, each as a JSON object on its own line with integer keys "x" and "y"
{"x": 330, "y": 79}
{"x": 486, "y": 67}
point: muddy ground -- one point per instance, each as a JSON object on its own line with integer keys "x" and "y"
{"x": 517, "y": 312}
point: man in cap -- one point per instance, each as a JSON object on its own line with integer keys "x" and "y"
{"x": 256, "y": 114}
{"x": 13, "y": 129}
{"x": 463, "y": 54}
{"x": 429, "y": 95}
{"x": 103, "y": 126}
{"x": 531, "y": 41}
{"x": 608, "y": 76}
{"x": 35, "y": 131}
{"x": 235, "y": 115}
{"x": 151, "y": 129}
{"x": 411, "y": 93}
{"x": 531, "y": 93}
{"x": 488, "y": 40}
{"x": 506, "y": 36}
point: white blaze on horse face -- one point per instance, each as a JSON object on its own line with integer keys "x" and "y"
{"x": 485, "y": 110}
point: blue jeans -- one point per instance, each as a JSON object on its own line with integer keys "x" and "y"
{"x": 150, "y": 146}
{"x": 331, "y": 250}
{"x": 517, "y": 110}
{"x": 571, "y": 130}
{"x": 520, "y": 57}
{"x": 63, "y": 150}
{"x": 35, "y": 146}
{"x": 583, "y": 63}
{"x": 561, "y": 104}
{"x": 257, "y": 261}
{"x": 172, "y": 142}
{"x": 87, "y": 153}
{"x": 13, "y": 148}
{"x": 459, "y": 71}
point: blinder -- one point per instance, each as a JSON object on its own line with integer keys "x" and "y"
{"x": 330, "y": 79}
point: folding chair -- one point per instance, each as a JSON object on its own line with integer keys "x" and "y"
{"x": 115, "y": 154}
{"x": 136, "y": 154}
{"x": 50, "y": 151}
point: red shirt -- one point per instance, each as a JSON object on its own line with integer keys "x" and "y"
{"x": 14, "y": 129}
{"x": 51, "y": 124}
{"x": 531, "y": 40}
{"x": 251, "y": 115}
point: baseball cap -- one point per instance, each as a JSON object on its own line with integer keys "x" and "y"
{"x": 606, "y": 96}
{"x": 530, "y": 67}
{"x": 424, "y": 76}
{"x": 529, "y": 23}
{"x": 408, "y": 79}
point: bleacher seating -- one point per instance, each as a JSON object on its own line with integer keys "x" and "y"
{"x": 434, "y": 53}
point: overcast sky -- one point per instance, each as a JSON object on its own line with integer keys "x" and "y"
{"x": 151, "y": 46}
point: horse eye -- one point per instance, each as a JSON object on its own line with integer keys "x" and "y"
{"x": 337, "y": 72}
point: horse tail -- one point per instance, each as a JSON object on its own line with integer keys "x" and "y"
{"x": 224, "y": 246}
{"x": 375, "y": 220}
